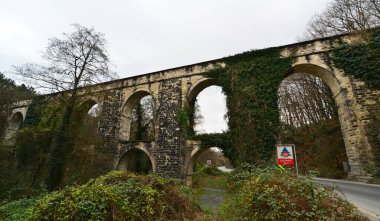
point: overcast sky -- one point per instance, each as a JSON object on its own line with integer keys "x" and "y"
{"x": 151, "y": 35}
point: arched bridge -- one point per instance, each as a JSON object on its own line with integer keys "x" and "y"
{"x": 171, "y": 154}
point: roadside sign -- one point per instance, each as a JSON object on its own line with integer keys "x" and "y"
{"x": 286, "y": 155}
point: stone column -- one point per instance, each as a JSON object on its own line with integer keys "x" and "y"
{"x": 169, "y": 155}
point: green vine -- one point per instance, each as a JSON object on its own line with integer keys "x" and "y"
{"x": 183, "y": 118}
{"x": 221, "y": 140}
{"x": 34, "y": 139}
{"x": 250, "y": 81}
{"x": 361, "y": 60}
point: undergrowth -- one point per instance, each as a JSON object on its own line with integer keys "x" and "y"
{"x": 205, "y": 176}
{"x": 267, "y": 194}
{"x": 115, "y": 196}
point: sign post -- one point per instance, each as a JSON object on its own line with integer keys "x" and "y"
{"x": 286, "y": 155}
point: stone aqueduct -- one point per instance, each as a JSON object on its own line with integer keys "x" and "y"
{"x": 171, "y": 155}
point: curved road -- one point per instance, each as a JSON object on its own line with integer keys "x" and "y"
{"x": 365, "y": 196}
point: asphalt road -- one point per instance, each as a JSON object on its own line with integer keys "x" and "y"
{"x": 365, "y": 196}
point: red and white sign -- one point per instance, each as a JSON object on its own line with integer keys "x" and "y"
{"x": 285, "y": 155}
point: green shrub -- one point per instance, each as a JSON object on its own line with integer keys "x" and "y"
{"x": 115, "y": 196}
{"x": 267, "y": 194}
{"x": 205, "y": 176}
{"x": 16, "y": 210}
{"x": 212, "y": 171}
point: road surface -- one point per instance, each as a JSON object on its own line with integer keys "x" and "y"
{"x": 365, "y": 196}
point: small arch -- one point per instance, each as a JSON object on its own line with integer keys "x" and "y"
{"x": 196, "y": 153}
{"x": 85, "y": 106}
{"x": 126, "y": 114}
{"x": 136, "y": 160}
{"x": 14, "y": 124}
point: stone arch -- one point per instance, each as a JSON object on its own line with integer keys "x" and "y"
{"x": 195, "y": 153}
{"x": 82, "y": 109}
{"x": 128, "y": 160}
{"x": 192, "y": 95}
{"x": 327, "y": 76}
{"x": 126, "y": 113}
{"x": 194, "y": 156}
{"x": 85, "y": 104}
{"x": 198, "y": 87}
{"x": 345, "y": 111}
{"x": 14, "y": 124}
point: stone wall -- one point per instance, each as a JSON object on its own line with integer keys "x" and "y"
{"x": 368, "y": 108}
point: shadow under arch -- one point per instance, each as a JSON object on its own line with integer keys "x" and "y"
{"x": 14, "y": 124}
{"x": 138, "y": 160}
{"x": 126, "y": 113}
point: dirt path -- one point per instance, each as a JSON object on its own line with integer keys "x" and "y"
{"x": 211, "y": 198}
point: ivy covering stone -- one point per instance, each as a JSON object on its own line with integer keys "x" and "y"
{"x": 361, "y": 60}
{"x": 250, "y": 82}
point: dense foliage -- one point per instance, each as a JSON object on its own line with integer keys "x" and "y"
{"x": 34, "y": 142}
{"x": 267, "y": 194}
{"x": 115, "y": 196}
{"x": 32, "y": 146}
{"x": 220, "y": 140}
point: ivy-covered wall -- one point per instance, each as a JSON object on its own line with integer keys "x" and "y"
{"x": 250, "y": 81}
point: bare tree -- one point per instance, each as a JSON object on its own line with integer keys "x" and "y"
{"x": 78, "y": 59}
{"x": 305, "y": 99}
{"x": 198, "y": 119}
{"x": 376, "y": 8}
{"x": 343, "y": 16}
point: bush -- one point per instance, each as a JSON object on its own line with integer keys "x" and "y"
{"x": 267, "y": 194}
{"x": 16, "y": 210}
{"x": 206, "y": 176}
{"x": 116, "y": 196}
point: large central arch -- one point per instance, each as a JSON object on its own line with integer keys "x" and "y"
{"x": 341, "y": 96}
